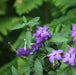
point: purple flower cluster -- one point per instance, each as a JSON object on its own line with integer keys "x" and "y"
{"x": 42, "y": 34}
{"x": 68, "y": 56}
{"x": 73, "y": 33}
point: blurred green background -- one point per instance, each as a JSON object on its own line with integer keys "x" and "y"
{"x": 51, "y": 12}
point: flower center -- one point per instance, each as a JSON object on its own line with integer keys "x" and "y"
{"x": 54, "y": 54}
{"x": 69, "y": 55}
{"x": 37, "y": 47}
{"x": 43, "y": 31}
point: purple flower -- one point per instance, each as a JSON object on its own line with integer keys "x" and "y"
{"x": 74, "y": 27}
{"x": 74, "y": 39}
{"x": 73, "y": 33}
{"x": 55, "y": 55}
{"x": 36, "y": 47}
{"x": 69, "y": 56}
{"x": 39, "y": 39}
{"x": 42, "y": 33}
{"x": 23, "y": 52}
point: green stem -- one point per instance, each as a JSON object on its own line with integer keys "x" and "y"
{"x": 44, "y": 46}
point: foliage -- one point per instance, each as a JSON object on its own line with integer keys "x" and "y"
{"x": 7, "y": 25}
{"x": 30, "y": 5}
{"x": 3, "y": 7}
{"x": 62, "y": 15}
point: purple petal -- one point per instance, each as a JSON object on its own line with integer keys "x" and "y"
{"x": 66, "y": 54}
{"x": 71, "y": 61}
{"x": 49, "y": 55}
{"x": 20, "y": 49}
{"x": 48, "y": 34}
{"x": 51, "y": 59}
{"x": 74, "y": 40}
{"x": 45, "y": 38}
{"x": 73, "y": 33}
{"x": 34, "y": 50}
{"x": 18, "y": 54}
{"x": 74, "y": 27}
{"x": 54, "y": 51}
{"x": 31, "y": 53}
{"x": 46, "y": 27}
{"x": 35, "y": 34}
{"x": 73, "y": 56}
{"x": 40, "y": 45}
{"x": 26, "y": 52}
{"x": 43, "y": 35}
{"x": 33, "y": 45}
{"x": 60, "y": 51}
{"x": 38, "y": 39}
{"x": 65, "y": 60}
{"x": 39, "y": 32}
{"x": 58, "y": 57}
{"x": 71, "y": 50}
{"x": 38, "y": 27}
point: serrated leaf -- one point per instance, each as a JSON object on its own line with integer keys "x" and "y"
{"x": 34, "y": 21}
{"x": 14, "y": 71}
{"x": 18, "y": 26}
{"x": 28, "y": 39}
{"x": 58, "y": 39}
{"x": 38, "y": 67}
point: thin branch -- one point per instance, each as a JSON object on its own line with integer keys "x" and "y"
{"x": 21, "y": 56}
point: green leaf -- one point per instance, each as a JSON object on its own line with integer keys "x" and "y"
{"x": 65, "y": 47}
{"x": 34, "y": 21}
{"x": 73, "y": 69}
{"x": 64, "y": 71}
{"x": 38, "y": 67}
{"x": 14, "y": 71}
{"x": 52, "y": 73}
{"x": 63, "y": 65}
{"x": 28, "y": 73}
{"x": 24, "y": 19}
{"x": 24, "y": 6}
{"x": 49, "y": 49}
{"x": 18, "y": 26}
{"x": 58, "y": 39}
{"x": 25, "y": 69}
{"x": 28, "y": 39}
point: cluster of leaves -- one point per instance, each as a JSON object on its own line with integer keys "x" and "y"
{"x": 29, "y": 5}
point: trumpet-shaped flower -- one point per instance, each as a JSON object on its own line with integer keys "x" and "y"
{"x": 55, "y": 55}
{"x": 69, "y": 56}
